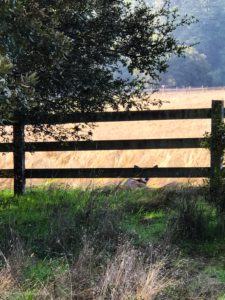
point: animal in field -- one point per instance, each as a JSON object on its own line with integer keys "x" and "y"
{"x": 135, "y": 183}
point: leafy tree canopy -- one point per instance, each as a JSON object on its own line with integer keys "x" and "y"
{"x": 65, "y": 55}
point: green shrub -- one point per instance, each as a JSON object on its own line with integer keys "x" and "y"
{"x": 191, "y": 218}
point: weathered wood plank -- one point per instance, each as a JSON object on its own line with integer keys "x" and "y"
{"x": 6, "y": 173}
{"x": 216, "y": 150}
{"x": 116, "y": 145}
{"x": 108, "y": 145}
{"x": 119, "y": 173}
{"x": 19, "y": 159}
{"x": 6, "y": 147}
{"x": 175, "y": 114}
{"x": 112, "y": 173}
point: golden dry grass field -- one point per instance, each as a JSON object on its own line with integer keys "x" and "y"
{"x": 134, "y": 130}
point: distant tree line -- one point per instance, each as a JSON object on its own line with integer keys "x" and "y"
{"x": 204, "y": 62}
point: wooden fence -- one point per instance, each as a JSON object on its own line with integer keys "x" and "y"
{"x": 19, "y": 147}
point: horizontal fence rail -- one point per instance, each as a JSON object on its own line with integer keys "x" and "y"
{"x": 112, "y": 173}
{"x": 19, "y": 147}
{"x": 152, "y": 115}
{"x": 108, "y": 145}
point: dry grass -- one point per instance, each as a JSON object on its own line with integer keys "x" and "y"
{"x": 129, "y": 274}
{"x": 7, "y": 279}
{"x": 126, "y": 276}
{"x": 135, "y": 130}
{"x": 6, "y": 283}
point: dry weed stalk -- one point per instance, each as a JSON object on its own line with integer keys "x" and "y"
{"x": 6, "y": 279}
{"x": 152, "y": 284}
{"x": 128, "y": 276}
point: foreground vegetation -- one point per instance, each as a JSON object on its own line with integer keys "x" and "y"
{"x": 59, "y": 243}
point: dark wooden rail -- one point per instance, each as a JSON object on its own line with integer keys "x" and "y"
{"x": 112, "y": 173}
{"x": 108, "y": 145}
{"x": 176, "y": 114}
{"x": 19, "y": 147}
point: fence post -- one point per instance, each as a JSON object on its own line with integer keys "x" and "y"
{"x": 19, "y": 158}
{"x": 216, "y": 149}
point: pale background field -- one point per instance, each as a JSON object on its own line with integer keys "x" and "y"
{"x": 133, "y": 130}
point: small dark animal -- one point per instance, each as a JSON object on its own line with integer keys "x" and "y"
{"x": 134, "y": 183}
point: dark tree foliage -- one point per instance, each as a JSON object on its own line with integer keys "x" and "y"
{"x": 65, "y": 56}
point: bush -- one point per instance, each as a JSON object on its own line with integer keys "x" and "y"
{"x": 190, "y": 218}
